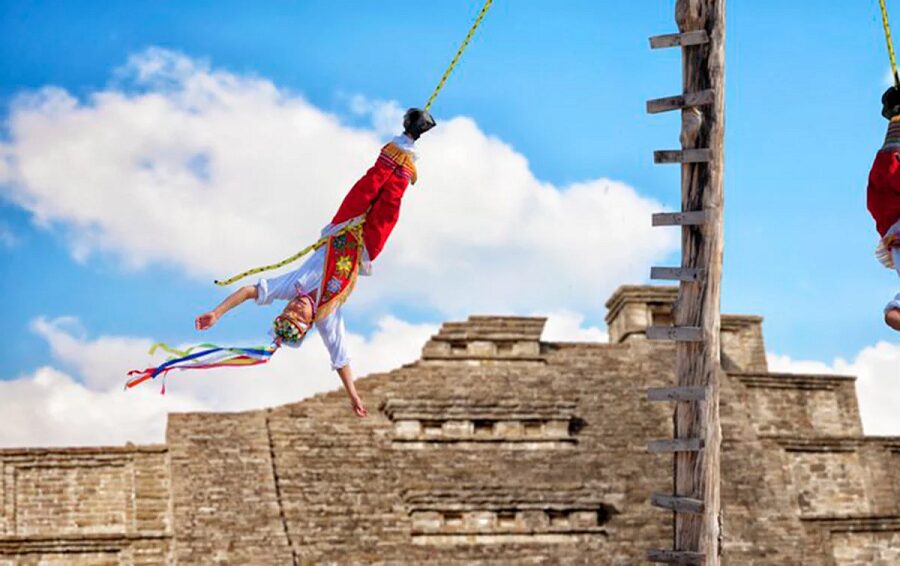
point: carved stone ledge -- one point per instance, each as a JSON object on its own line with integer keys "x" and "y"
{"x": 859, "y": 524}
{"x": 468, "y": 424}
{"x": 451, "y": 517}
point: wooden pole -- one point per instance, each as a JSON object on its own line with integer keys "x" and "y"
{"x": 698, "y": 362}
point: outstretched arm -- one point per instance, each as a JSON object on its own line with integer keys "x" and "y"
{"x": 331, "y": 329}
{"x": 347, "y": 377}
{"x": 206, "y": 320}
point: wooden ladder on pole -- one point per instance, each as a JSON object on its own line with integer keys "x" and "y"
{"x": 695, "y": 499}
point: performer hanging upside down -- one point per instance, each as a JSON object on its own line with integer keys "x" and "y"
{"x": 883, "y": 197}
{"x": 355, "y": 237}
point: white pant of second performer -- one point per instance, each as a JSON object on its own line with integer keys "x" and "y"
{"x": 895, "y": 304}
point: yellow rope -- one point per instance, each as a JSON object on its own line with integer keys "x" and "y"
{"x": 459, "y": 53}
{"x": 293, "y": 258}
{"x": 890, "y": 42}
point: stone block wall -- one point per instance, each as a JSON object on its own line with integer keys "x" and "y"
{"x": 802, "y": 405}
{"x": 85, "y": 505}
{"x": 829, "y": 483}
{"x": 506, "y": 338}
{"x": 742, "y": 344}
{"x": 634, "y": 308}
{"x": 226, "y": 507}
{"x": 866, "y": 547}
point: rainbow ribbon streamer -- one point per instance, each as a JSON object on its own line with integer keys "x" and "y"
{"x": 203, "y": 356}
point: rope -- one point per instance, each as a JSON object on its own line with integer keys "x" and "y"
{"x": 321, "y": 242}
{"x": 890, "y": 42}
{"x": 459, "y": 53}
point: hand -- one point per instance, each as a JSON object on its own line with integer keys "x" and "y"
{"x": 358, "y": 407}
{"x": 205, "y": 321}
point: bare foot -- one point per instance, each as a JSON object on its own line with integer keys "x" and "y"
{"x": 892, "y": 318}
{"x": 205, "y": 321}
{"x": 359, "y": 408}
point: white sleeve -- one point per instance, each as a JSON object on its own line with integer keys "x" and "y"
{"x": 895, "y": 304}
{"x": 331, "y": 329}
{"x": 281, "y": 287}
{"x": 284, "y": 287}
{"x": 895, "y": 255}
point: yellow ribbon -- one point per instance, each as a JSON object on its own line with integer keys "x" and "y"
{"x": 321, "y": 242}
{"x": 175, "y": 353}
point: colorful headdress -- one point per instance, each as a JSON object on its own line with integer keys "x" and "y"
{"x": 290, "y": 327}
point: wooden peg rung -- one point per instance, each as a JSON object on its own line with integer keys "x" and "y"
{"x": 675, "y": 445}
{"x": 690, "y": 218}
{"x": 686, "y": 100}
{"x": 677, "y": 504}
{"x": 690, "y": 274}
{"x": 698, "y": 37}
{"x": 682, "y": 156}
{"x": 676, "y": 333}
{"x": 675, "y": 556}
{"x": 689, "y": 393}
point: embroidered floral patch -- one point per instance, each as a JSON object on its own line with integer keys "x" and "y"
{"x": 339, "y": 273}
{"x": 344, "y": 266}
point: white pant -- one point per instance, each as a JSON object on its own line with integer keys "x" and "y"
{"x": 895, "y": 304}
{"x": 895, "y": 255}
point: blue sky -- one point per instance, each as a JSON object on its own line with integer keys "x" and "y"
{"x": 564, "y": 83}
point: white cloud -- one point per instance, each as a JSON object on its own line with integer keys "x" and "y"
{"x": 567, "y": 326}
{"x": 85, "y": 404}
{"x": 385, "y": 115}
{"x": 51, "y": 408}
{"x": 94, "y": 360}
{"x": 213, "y": 172}
{"x": 877, "y": 369}
{"x": 786, "y": 364}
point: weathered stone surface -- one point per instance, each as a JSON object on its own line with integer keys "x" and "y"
{"x": 85, "y": 506}
{"x": 494, "y": 448}
{"x": 226, "y": 507}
